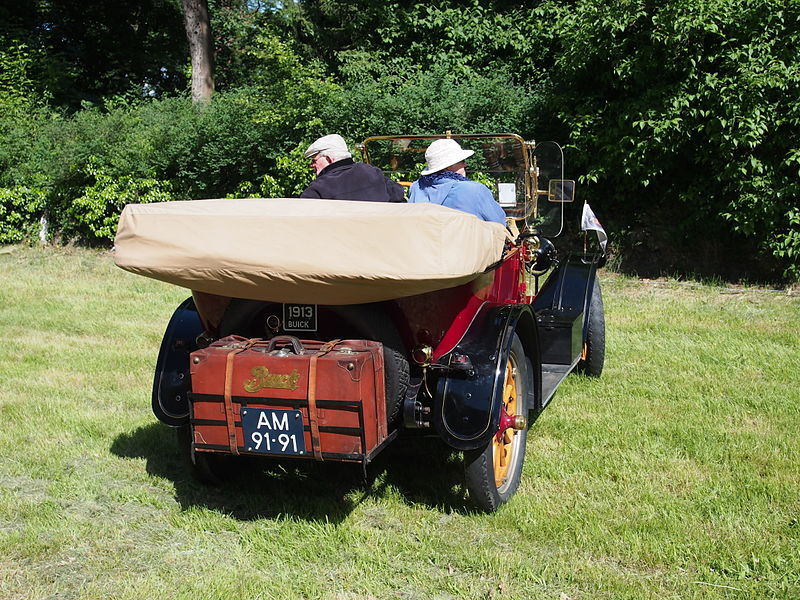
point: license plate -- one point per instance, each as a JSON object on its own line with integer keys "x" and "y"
{"x": 273, "y": 431}
{"x": 299, "y": 317}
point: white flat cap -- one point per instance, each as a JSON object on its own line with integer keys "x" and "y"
{"x": 327, "y": 143}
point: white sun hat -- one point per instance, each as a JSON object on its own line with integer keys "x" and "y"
{"x": 333, "y": 143}
{"x": 442, "y": 154}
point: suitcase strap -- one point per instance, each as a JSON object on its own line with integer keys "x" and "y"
{"x": 230, "y": 416}
{"x": 312, "y": 397}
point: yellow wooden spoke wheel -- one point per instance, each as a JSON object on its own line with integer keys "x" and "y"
{"x": 503, "y": 442}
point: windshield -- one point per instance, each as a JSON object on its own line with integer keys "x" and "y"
{"x": 505, "y": 163}
{"x": 500, "y": 162}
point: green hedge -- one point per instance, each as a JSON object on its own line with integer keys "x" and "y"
{"x": 84, "y": 168}
{"x": 21, "y": 209}
{"x": 683, "y": 118}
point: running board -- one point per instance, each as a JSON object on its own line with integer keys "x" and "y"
{"x": 552, "y": 376}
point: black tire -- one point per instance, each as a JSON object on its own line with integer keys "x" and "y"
{"x": 593, "y": 356}
{"x": 493, "y": 472}
{"x": 397, "y": 370}
{"x": 353, "y": 321}
{"x": 205, "y": 467}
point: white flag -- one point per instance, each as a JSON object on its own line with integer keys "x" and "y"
{"x": 589, "y": 222}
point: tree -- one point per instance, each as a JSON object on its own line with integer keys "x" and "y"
{"x": 75, "y": 52}
{"x": 198, "y": 32}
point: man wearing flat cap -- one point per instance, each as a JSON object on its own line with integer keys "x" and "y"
{"x": 444, "y": 181}
{"x": 339, "y": 177}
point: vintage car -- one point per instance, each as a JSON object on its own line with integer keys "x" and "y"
{"x": 325, "y": 330}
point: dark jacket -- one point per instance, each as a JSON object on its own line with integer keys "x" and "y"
{"x": 349, "y": 180}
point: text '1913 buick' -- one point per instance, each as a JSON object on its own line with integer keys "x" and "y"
{"x": 325, "y": 330}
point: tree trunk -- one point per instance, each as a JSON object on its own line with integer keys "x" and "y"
{"x": 198, "y": 32}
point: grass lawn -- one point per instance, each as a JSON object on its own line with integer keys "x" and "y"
{"x": 674, "y": 475}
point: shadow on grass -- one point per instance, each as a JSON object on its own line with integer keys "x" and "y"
{"x": 424, "y": 471}
{"x": 421, "y": 471}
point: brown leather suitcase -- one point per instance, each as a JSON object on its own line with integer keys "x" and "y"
{"x": 289, "y": 397}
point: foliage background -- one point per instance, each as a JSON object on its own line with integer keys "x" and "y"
{"x": 680, "y": 118}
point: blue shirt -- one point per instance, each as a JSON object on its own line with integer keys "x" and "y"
{"x": 469, "y": 196}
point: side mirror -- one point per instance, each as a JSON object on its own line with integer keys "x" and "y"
{"x": 561, "y": 190}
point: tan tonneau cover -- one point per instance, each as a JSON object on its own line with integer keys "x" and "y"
{"x": 306, "y": 250}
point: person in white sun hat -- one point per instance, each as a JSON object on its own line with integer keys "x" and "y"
{"x": 339, "y": 177}
{"x": 444, "y": 181}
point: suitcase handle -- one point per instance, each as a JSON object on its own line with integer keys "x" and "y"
{"x": 296, "y": 344}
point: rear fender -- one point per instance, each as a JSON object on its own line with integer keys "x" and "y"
{"x": 468, "y": 401}
{"x": 172, "y": 383}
